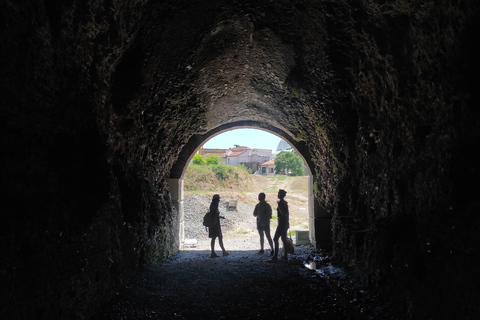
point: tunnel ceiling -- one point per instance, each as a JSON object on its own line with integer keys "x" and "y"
{"x": 240, "y": 76}
{"x": 345, "y": 79}
{"x": 241, "y": 73}
{"x": 236, "y": 68}
{"x": 210, "y": 66}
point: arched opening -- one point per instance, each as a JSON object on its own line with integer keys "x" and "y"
{"x": 101, "y": 98}
{"x": 320, "y": 231}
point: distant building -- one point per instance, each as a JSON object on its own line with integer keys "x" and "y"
{"x": 284, "y": 146}
{"x": 251, "y": 158}
{"x": 267, "y": 168}
{"x": 239, "y": 155}
{"x": 219, "y": 152}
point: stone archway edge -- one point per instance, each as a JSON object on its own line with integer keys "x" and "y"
{"x": 320, "y": 230}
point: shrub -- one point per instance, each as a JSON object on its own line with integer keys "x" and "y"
{"x": 243, "y": 167}
{"x": 213, "y": 159}
{"x": 222, "y": 171}
{"x": 198, "y": 159}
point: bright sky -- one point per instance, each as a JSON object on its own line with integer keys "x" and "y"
{"x": 251, "y": 138}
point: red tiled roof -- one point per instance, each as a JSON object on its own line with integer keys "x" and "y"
{"x": 270, "y": 162}
{"x": 212, "y": 151}
{"x": 235, "y": 152}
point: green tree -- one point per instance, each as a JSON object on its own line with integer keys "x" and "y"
{"x": 289, "y": 163}
{"x": 198, "y": 159}
{"x": 213, "y": 159}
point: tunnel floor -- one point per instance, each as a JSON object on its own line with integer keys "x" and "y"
{"x": 244, "y": 285}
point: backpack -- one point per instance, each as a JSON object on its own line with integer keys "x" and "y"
{"x": 209, "y": 220}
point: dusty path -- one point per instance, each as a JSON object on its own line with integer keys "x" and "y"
{"x": 297, "y": 199}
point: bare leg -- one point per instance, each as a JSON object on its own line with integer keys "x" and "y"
{"x": 212, "y": 246}
{"x": 275, "y": 240}
{"x": 269, "y": 238}
{"x": 220, "y": 241}
{"x": 262, "y": 241}
{"x": 284, "y": 241}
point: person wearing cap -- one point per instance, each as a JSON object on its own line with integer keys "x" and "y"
{"x": 263, "y": 212}
{"x": 216, "y": 231}
{"x": 283, "y": 225}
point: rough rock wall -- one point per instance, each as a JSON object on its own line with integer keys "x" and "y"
{"x": 76, "y": 218}
{"x": 101, "y": 97}
{"x": 404, "y": 199}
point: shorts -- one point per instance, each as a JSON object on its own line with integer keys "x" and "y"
{"x": 263, "y": 226}
{"x": 215, "y": 231}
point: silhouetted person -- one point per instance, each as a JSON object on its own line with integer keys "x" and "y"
{"x": 263, "y": 212}
{"x": 283, "y": 224}
{"x": 216, "y": 230}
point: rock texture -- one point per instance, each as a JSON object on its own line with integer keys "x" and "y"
{"x": 103, "y": 101}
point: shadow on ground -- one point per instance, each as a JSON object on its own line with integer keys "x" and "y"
{"x": 243, "y": 285}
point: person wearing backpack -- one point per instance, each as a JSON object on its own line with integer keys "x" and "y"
{"x": 216, "y": 231}
{"x": 263, "y": 212}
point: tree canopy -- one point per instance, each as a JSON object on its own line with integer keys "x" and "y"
{"x": 208, "y": 159}
{"x": 289, "y": 163}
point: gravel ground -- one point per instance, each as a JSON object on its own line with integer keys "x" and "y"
{"x": 238, "y": 222}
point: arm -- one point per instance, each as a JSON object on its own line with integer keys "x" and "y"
{"x": 285, "y": 205}
{"x": 283, "y": 208}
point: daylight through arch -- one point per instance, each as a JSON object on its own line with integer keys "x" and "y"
{"x": 319, "y": 220}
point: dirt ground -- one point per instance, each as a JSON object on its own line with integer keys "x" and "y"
{"x": 297, "y": 198}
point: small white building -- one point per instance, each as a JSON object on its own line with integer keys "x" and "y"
{"x": 267, "y": 168}
{"x": 246, "y": 155}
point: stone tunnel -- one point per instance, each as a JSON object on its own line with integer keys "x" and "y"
{"x": 104, "y": 102}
